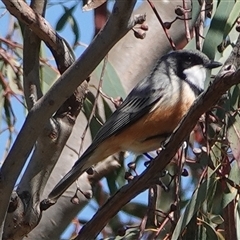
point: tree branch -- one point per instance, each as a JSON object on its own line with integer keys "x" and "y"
{"x": 58, "y": 46}
{"x": 26, "y": 215}
{"x": 225, "y": 79}
{"x": 31, "y": 47}
{"x": 118, "y": 25}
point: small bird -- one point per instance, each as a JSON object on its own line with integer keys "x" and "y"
{"x": 149, "y": 114}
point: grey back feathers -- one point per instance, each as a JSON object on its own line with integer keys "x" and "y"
{"x": 147, "y": 92}
{"x": 173, "y": 84}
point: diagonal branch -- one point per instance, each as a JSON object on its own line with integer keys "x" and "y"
{"x": 54, "y": 136}
{"x": 43, "y": 30}
{"x": 226, "y": 79}
{"x": 32, "y": 43}
{"x": 118, "y": 25}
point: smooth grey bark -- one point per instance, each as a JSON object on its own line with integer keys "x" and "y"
{"x": 119, "y": 23}
{"x": 132, "y": 59}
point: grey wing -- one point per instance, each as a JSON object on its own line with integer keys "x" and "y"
{"x": 139, "y": 102}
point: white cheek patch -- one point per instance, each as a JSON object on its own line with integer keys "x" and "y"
{"x": 196, "y": 75}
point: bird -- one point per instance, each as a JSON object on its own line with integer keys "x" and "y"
{"x": 149, "y": 114}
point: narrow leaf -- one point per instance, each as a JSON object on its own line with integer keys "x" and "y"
{"x": 233, "y": 136}
{"x": 64, "y": 18}
{"x": 232, "y": 19}
{"x": 197, "y": 199}
{"x": 112, "y": 85}
{"x": 215, "y": 34}
{"x": 210, "y": 231}
{"x": 75, "y": 29}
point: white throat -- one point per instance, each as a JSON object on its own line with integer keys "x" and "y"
{"x": 196, "y": 75}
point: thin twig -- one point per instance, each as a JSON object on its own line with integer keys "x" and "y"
{"x": 8, "y": 90}
{"x": 94, "y": 104}
{"x": 199, "y": 27}
{"x": 180, "y": 162}
{"x": 188, "y": 35}
{"x": 104, "y": 95}
{"x": 162, "y": 24}
{"x": 163, "y": 224}
{"x": 152, "y": 205}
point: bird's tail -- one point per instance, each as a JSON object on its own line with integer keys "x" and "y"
{"x": 67, "y": 180}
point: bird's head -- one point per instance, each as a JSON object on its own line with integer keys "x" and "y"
{"x": 192, "y": 65}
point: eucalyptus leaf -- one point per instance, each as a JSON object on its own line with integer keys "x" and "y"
{"x": 215, "y": 34}
{"x": 75, "y": 29}
{"x": 210, "y": 231}
{"x": 233, "y": 135}
{"x": 234, "y": 14}
{"x": 196, "y": 8}
{"x": 65, "y": 17}
{"x": 217, "y": 219}
{"x": 49, "y": 76}
{"x": 196, "y": 201}
{"x": 135, "y": 209}
{"x": 111, "y": 182}
{"x": 112, "y": 85}
{"x": 12, "y": 78}
{"x": 94, "y": 125}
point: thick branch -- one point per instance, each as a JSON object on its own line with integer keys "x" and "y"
{"x": 152, "y": 173}
{"x": 53, "y": 138}
{"x": 43, "y": 30}
{"x": 58, "y": 216}
{"x": 117, "y": 26}
{"x": 31, "y": 47}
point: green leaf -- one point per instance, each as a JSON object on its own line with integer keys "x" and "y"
{"x": 215, "y": 155}
{"x": 231, "y": 192}
{"x": 135, "y": 209}
{"x": 12, "y": 78}
{"x": 231, "y": 19}
{"x": 210, "y": 231}
{"x": 196, "y": 8}
{"x": 217, "y": 219}
{"x": 131, "y": 234}
{"x": 197, "y": 199}
{"x": 215, "y": 34}
{"x": 233, "y": 135}
{"x": 121, "y": 181}
{"x": 8, "y": 112}
{"x": 75, "y": 29}
{"x": 65, "y": 17}
{"x": 229, "y": 196}
{"x": 107, "y": 110}
{"x": 96, "y": 121}
{"x": 49, "y": 75}
{"x": 234, "y": 173}
{"x": 112, "y": 85}
{"x": 111, "y": 182}
{"x": 116, "y": 179}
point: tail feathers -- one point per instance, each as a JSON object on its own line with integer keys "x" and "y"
{"x": 67, "y": 180}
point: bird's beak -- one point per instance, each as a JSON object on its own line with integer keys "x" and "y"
{"x": 213, "y": 64}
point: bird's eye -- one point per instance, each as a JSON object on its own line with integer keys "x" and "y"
{"x": 189, "y": 59}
